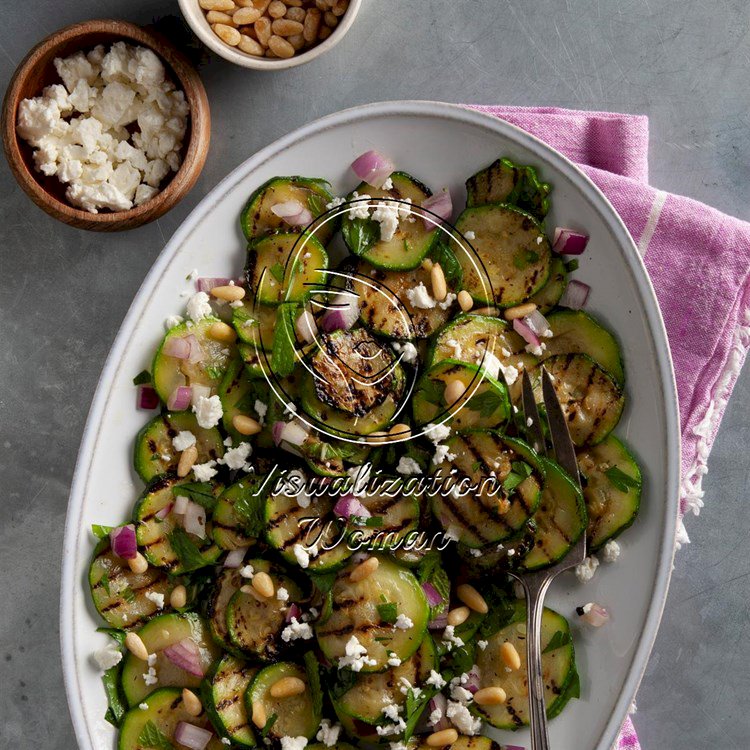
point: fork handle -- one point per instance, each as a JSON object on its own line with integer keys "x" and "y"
{"x": 537, "y": 710}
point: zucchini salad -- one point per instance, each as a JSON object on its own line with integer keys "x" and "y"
{"x": 338, "y": 477}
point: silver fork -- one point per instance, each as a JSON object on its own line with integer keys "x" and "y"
{"x": 535, "y": 584}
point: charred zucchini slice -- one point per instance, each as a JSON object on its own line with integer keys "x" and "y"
{"x": 255, "y": 324}
{"x": 484, "y": 402}
{"x": 612, "y": 489}
{"x": 257, "y": 218}
{"x": 465, "y": 742}
{"x": 411, "y": 241}
{"x": 255, "y": 624}
{"x": 514, "y": 251}
{"x": 385, "y": 307}
{"x": 154, "y": 453}
{"x": 170, "y": 372}
{"x": 227, "y": 583}
{"x": 549, "y": 295}
{"x": 558, "y": 669}
{"x": 238, "y": 393}
{"x": 229, "y": 521}
{"x": 158, "y": 634}
{"x": 395, "y": 513}
{"x": 163, "y": 711}
{"x": 489, "y": 513}
{"x": 357, "y": 612}
{"x": 590, "y": 398}
{"x": 558, "y": 522}
{"x": 119, "y": 594}
{"x": 283, "y": 267}
{"x": 296, "y": 715}
{"x": 224, "y": 699}
{"x": 576, "y": 332}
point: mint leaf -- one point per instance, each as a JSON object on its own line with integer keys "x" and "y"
{"x": 152, "y": 736}
{"x": 444, "y": 255}
{"x": 312, "y": 667}
{"x": 388, "y": 613}
{"x": 284, "y": 351}
{"x": 199, "y": 492}
{"x": 433, "y": 390}
{"x": 620, "y": 480}
{"x": 486, "y": 402}
{"x": 277, "y": 271}
{"x": 414, "y": 708}
{"x": 360, "y": 234}
{"x": 101, "y": 532}
{"x": 142, "y": 378}
{"x": 116, "y": 707}
{"x": 116, "y": 633}
{"x": 317, "y": 204}
{"x": 187, "y": 551}
{"x": 558, "y": 640}
{"x": 268, "y": 725}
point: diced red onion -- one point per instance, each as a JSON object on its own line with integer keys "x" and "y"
{"x": 196, "y": 352}
{"x": 594, "y": 615}
{"x": 195, "y": 520}
{"x": 147, "y": 397}
{"x": 276, "y": 429}
{"x": 439, "y": 701}
{"x": 373, "y": 168}
{"x": 180, "y": 505}
{"x": 186, "y": 655}
{"x": 206, "y": 284}
{"x": 292, "y": 433}
{"x": 199, "y": 391}
{"x": 192, "y": 737}
{"x": 433, "y": 595}
{"x": 235, "y": 558}
{"x": 348, "y": 506}
{"x": 306, "y": 327}
{"x": 177, "y": 347}
{"x": 569, "y": 242}
{"x": 293, "y": 213}
{"x": 439, "y": 623}
{"x": 293, "y": 612}
{"x": 525, "y": 332}
{"x": 123, "y": 542}
{"x": 440, "y": 204}
{"x": 537, "y": 322}
{"x": 164, "y": 512}
{"x": 342, "y": 313}
{"x": 179, "y": 399}
{"x": 576, "y": 295}
{"x": 474, "y": 681}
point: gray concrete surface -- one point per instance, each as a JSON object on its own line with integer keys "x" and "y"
{"x": 63, "y": 293}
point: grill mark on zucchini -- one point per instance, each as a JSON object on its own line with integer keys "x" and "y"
{"x": 448, "y": 500}
{"x": 227, "y": 702}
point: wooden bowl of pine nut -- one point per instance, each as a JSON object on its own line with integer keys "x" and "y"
{"x": 270, "y": 34}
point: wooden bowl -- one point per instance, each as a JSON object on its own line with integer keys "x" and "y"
{"x": 37, "y": 71}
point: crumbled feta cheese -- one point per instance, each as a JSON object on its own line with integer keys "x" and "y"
{"x": 156, "y": 598}
{"x": 226, "y": 741}
{"x": 293, "y": 743}
{"x": 386, "y": 214}
{"x": 611, "y": 551}
{"x": 360, "y": 209}
{"x": 335, "y": 203}
{"x": 420, "y": 298}
{"x": 183, "y": 440}
{"x": 393, "y": 660}
{"x": 387, "y": 185}
{"x": 403, "y": 622}
{"x": 460, "y": 693}
{"x": 261, "y": 410}
{"x": 408, "y": 466}
{"x": 151, "y": 660}
{"x": 143, "y": 706}
{"x": 328, "y": 733}
{"x": 199, "y": 307}
{"x": 247, "y": 571}
{"x": 296, "y": 630}
{"x": 442, "y": 453}
{"x": 450, "y": 639}
{"x": 236, "y": 458}
{"x": 470, "y": 235}
{"x": 205, "y": 472}
{"x": 585, "y": 571}
{"x": 301, "y": 555}
{"x": 150, "y": 677}
{"x": 435, "y": 716}
{"x": 108, "y": 657}
{"x": 437, "y": 432}
{"x": 456, "y": 346}
{"x": 172, "y": 321}
{"x": 462, "y": 719}
{"x": 208, "y": 411}
{"x": 436, "y": 680}
{"x": 482, "y": 644}
{"x": 409, "y": 352}
{"x": 282, "y": 594}
{"x": 356, "y": 656}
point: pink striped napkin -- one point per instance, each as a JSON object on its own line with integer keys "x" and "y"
{"x": 699, "y": 263}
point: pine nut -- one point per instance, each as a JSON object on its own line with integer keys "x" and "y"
{"x": 519, "y": 311}
{"x": 271, "y": 55}
{"x": 458, "y": 615}
{"x": 287, "y": 687}
{"x": 229, "y": 293}
{"x": 178, "y": 597}
{"x": 222, "y": 332}
{"x": 293, "y": 3}
{"x": 138, "y": 564}
{"x": 276, "y": 9}
{"x": 217, "y": 4}
{"x": 136, "y": 646}
{"x": 263, "y": 584}
{"x": 490, "y": 696}
{"x": 228, "y": 34}
{"x": 427, "y": 264}
{"x": 261, "y": 5}
{"x": 364, "y": 569}
{"x": 442, "y": 738}
{"x": 400, "y": 431}
{"x": 191, "y": 702}
{"x": 249, "y": 46}
{"x": 188, "y": 457}
{"x": 263, "y": 30}
{"x": 465, "y": 300}
{"x": 297, "y": 41}
{"x": 339, "y": 7}
{"x": 472, "y": 598}
{"x": 439, "y": 287}
{"x": 312, "y": 24}
{"x": 453, "y": 391}
{"x": 330, "y": 20}
{"x": 490, "y": 312}
{"x": 280, "y": 47}
{"x": 216, "y": 16}
{"x": 246, "y": 16}
{"x": 284, "y": 27}
{"x": 323, "y": 33}
{"x": 245, "y": 425}
{"x": 323, "y": 5}
{"x": 378, "y": 437}
{"x": 259, "y": 714}
{"x": 296, "y": 14}
{"x": 509, "y": 655}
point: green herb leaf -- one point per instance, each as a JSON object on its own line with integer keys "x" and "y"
{"x": 214, "y": 372}
{"x": 374, "y": 522}
{"x": 317, "y": 204}
{"x": 388, "y": 613}
{"x": 283, "y": 354}
{"x": 268, "y": 725}
{"x": 277, "y": 271}
{"x": 433, "y": 390}
{"x": 342, "y": 680}
{"x": 558, "y": 640}
{"x": 116, "y": 633}
{"x": 116, "y": 706}
{"x": 487, "y": 402}
{"x": 187, "y": 551}
{"x": 360, "y": 234}
{"x": 572, "y": 265}
{"x": 142, "y": 378}
{"x": 500, "y": 612}
{"x": 323, "y": 581}
{"x": 524, "y": 258}
{"x": 250, "y": 508}
{"x": 430, "y": 570}
{"x": 312, "y": 667}
{"x": 199, "y": 492}
{"x": 100, "y": 532}
{"x": 104, "y": 580}
{"x": 152, "y": 736}
{"x": 444, "y": 255}
{"x": 414, "y": 708}
{"x": 128, "y": 594}
{"x": 620, "y": 480}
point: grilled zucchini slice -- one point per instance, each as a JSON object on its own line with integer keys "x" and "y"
{"x": 354, "y": 613}
{"x": 479, "y": 517}
{"x": 257, "y": 218}
{"x": 558, "y": 669}
{"x": 255, "y": 324}
{"x": 612, "y": 489}
{"x": 119, "y": 594}
{"x": 484, "y": 402}
{"x": 224, "y": 699}
{"x": 397, "y": 514}
{"x": 371, "y": 693}
{"x": 514, "y": 251}
{"x": 255, "y": 626}
{"x": 158, "y": 537}
{"x": 228, "y": 526}
{"x": 591, "y": 399}
{"x": 158, "y": 634}
{"x": 549, "y": 295}
{"x": 154, "y": 453}
{"x": 465, "y": 742}
{"x": 296, "y": 715}
{"x": 227, "y": 583}
{"x": 238, "y": 392}
{"x": 170, "y": 372}
{"x": 385, "y": 307}
{"x": 558, "y": 522}
{"x": 576, "y": 332}
{"x": 163, "y": 710}
{"x": 412, "y": 240}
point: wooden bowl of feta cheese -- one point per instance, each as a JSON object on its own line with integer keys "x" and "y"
{"x": 106, "y": 125}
